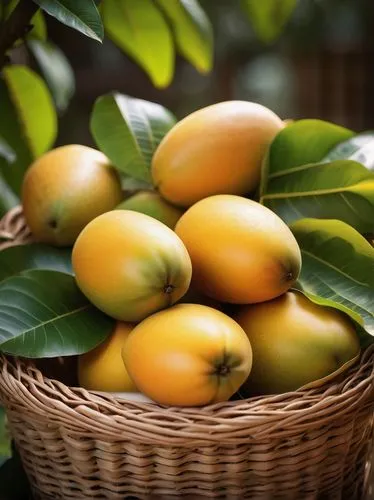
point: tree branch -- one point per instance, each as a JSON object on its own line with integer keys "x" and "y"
{"x": 15, "y": 27}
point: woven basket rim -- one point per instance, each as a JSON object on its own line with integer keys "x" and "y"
{"x": 24, "y": 388}
{"x": 22, "y": 385}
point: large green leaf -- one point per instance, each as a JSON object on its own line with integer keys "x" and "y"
{"x": 81, "y": 15}
{"x": 268, "y": 17}
{"x": 298, "y": 183}
{"x": 341, "y": 189}
{"x": 302, "y": 142}
{"x": 128, "y": 131}
{"x": 140, "y": 29}
{"x": 14, "y": 260}
{"x": 358, "y": 148}
{"x": 28, "y": 119}
{"x": 338, "y": 267}
{"x": 192, "y": 31}
{"x": 43, "y": 314}
{"x": 12, "y": 131}
{"x": 56, "y": 70}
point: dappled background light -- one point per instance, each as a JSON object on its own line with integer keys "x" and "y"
{"x": 320, "y": 67}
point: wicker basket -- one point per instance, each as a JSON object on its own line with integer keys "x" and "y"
{"x": 75, "y": 444}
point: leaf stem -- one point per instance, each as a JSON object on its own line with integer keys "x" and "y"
{"x": 15, "y": 27}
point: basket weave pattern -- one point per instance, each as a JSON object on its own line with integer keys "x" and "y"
{"x": 13, "y": 229}
{"x": 75, "y": 444}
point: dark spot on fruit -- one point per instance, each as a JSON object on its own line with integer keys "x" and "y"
{"x": 288, "y": 272}
{"x": 52, "y": 223}
{"x": 222, "y": 370}
{"x": 169, "y": 289}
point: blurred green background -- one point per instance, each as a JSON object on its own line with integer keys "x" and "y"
{"x": 322, "y": 66}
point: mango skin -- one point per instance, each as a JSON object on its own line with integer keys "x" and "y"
{"x": 241, "y": 251}
{"x": 152, "y": 204}
{"x": 130, "y": 265}
{"x": 65, "y": 189}
{"x": 295, "y": 342}
{"x": 102, "y": 368}
{"x": 218, "y": 149}
{"x": 193, "y": 296}
{"x": 188, "y": 355}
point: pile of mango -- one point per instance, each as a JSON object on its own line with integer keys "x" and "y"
{"x": 199, "y": 276}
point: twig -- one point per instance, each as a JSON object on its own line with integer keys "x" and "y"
{"x": 15, "y": 27}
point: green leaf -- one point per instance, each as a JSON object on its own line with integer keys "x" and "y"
{"x": 28, "y": 119}
{"x": 341, "y": 189}
{"x": 56, "y": 70}
{"x": 302, "y": 142}
{"x": 80, "y": 15}
{"x": 39, "y": 28}
{"x": 129, "y": 184}
{"x": 192, "y": 31}
{"x": 7, "y": 197}
{"x": 43, "y": 314}
{"x": 12, "y": 130}
{"x": 14, "y": 260}
{"x": 141, "y": 31}
{"x": 338, "y": 268}
{"x": 269, "y": 17}
{"x": 358, "y": 148}
{"x": 128, "y": 131}
{"x": 297, "y": 183}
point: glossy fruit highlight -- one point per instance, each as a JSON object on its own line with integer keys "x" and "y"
{"x": 102, "y": 368}
{"x": 215, "y": 150}
{"x": 130, "y": 265}
{"x": 241, "y": 251}
{"x": 65, "y": 189}
{"x": 152, "y": 204}
{"x": 295, "y": 342}
{"x": 188, "y": 355}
